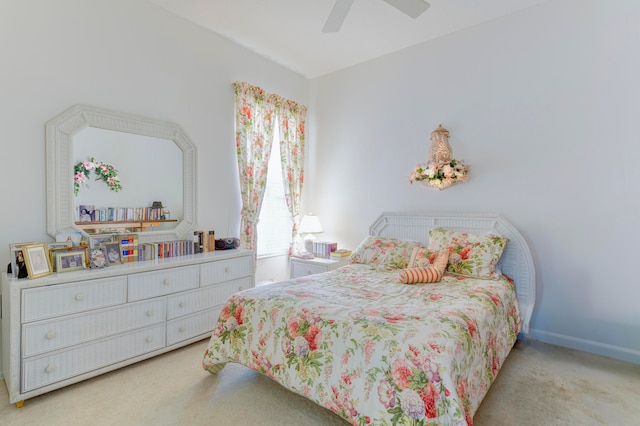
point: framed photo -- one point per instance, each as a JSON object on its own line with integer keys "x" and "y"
{"x": 19, "y": 245}
{"x": 86, "y": 213}
{"x": 36, "y": 260}
{"x": 56, "y": 245}
{"x": 54, "y": 252}
{"x": 18, "y": 267}
{"x": 113, "y": 251}
{"x": 70, "y": 261}
{"x": 99, "y": 240}
{"x": 74, "y": 237}
{"x": 97, "y": 258}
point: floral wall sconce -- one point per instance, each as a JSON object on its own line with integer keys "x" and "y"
{"x": 442, "y": 171}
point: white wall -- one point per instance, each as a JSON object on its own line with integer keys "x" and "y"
{"x": 126, "y": 55}
{"x": 543, "y": 105}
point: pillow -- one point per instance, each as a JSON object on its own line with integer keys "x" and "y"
{"x": 388, "y": 252}
{"x": 426, "y": 274}
{"x": 473, "y": 255}
{"x": 422, "y": 256}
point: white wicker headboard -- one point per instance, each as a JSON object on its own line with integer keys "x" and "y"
{"x": 516, "y": 261}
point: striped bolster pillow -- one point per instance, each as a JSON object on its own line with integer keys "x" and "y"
{"x": 426, "y": 274}
{"x": 423, "y": 274}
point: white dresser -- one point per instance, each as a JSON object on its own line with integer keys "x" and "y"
{"x": 67, "y": 327}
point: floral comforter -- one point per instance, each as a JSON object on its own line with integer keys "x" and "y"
{"x": 370, "y": 349}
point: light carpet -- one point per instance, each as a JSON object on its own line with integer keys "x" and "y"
{"x": 539, "y": 384}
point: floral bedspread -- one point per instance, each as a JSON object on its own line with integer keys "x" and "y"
{"x": 370, "y": 349}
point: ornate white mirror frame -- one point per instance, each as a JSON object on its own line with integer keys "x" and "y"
{"x": 59, "y": 154}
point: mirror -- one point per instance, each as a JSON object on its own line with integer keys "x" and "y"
{"x": 139, "y": 148}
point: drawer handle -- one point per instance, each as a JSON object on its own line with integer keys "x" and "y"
{"x": 227, "y": 269}
{"x": 165, "y": 281}
{"x": 49, "y": 368}
{"x": 80, "y": 296}
{"x": 50, "y": 335}
{"x": 182, "y": 304}
{"x": 182, "y": 329}
{"x": 149, "y": 339}
{"x": 149, "y": 313}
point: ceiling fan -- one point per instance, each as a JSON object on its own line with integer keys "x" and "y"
{"x": 413, "y": 8}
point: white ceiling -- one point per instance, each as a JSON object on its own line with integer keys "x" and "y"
{"x": 289, "y": 32}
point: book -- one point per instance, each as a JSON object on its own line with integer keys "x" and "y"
{"x": 129, "y": 244}
{"x": 340, "y": 253}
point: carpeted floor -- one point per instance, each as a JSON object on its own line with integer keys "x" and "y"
{"x": 539, "y": 384}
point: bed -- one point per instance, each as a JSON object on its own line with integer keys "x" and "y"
{"x": 377, "y": 351}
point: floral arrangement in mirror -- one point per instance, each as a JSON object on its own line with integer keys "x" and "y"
{"x": 104, "y": 172}
{"x": 442, "y": 171}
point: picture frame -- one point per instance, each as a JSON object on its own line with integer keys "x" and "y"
{"x": 18, "y": 267}
{"x": 86, "y": 213}
{"x": 59, "y": 244}
{"x": 98, "y": 240}
{"x": 97, "y": 258}
{"x": 72, "y": 236}
{"x": 70, "y": 261}
{"x": 113, "y": 251}
{"x": 20, "y": 245}
{"x": 53, "y": 254}
{"x": 36, "y": 260}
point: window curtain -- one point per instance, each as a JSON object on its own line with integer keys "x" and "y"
{"x": 292, "y": 134}
{"x": 255, "y": 111}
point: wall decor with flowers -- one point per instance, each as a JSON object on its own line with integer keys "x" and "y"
{"x": 104, "y": 172}
{"x": 442, "y": 170}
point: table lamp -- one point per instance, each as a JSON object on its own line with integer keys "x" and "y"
{"x": 310, "y": 225}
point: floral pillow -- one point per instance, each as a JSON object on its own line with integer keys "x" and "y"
{"x": 422, "y": 256}
{"x": 391, "y": 253}
{"x": 473, "y": 255}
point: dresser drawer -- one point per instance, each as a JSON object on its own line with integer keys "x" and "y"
{"x": 304, "y": 269}
{"x": 193, "y": 325}
{"x": 62, "y": 299}
{"x": 225, "y": 270}
{"x": 204, "y": 298}
{"x": 159, "y": 283}
{"x": 44, "y": 336}
{"x": 43, "y": 370}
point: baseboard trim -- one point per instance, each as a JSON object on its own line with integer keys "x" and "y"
{"x": 604, "y": 349}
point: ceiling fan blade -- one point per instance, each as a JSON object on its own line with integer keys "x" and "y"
{"x": 337, "y": 16}
{"x": 413, "y": 8}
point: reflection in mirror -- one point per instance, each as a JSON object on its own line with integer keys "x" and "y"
{"x": 156, "y": 161}
{"x": 149, "y": 169}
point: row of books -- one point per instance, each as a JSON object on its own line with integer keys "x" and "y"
{"x": 151, "y": 251}
{"x": 203, "y": 242}
{"x": 323, "y": 249}
{"x": 87, "y": 213}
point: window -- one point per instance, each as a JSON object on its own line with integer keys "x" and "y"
{"x": 274, "y": 227}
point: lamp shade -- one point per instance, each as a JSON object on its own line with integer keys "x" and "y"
{"x": 310, "y": 224}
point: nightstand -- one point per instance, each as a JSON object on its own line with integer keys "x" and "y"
{"x": 317, "y": 265}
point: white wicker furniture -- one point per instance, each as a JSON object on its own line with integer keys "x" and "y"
{"x": 67, "y": 327}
